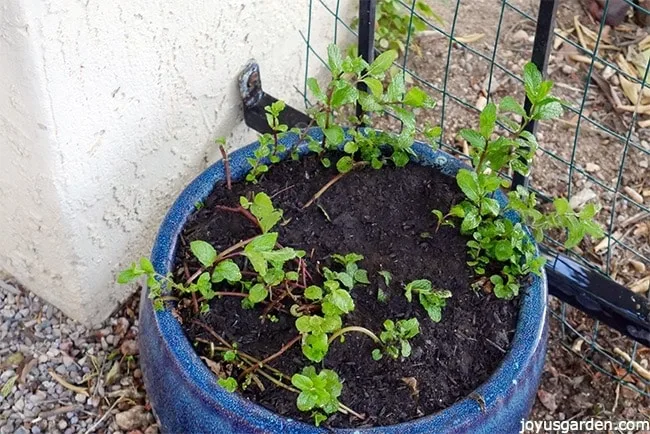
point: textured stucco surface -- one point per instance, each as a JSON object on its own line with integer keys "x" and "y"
{"x": 107, "y": 109}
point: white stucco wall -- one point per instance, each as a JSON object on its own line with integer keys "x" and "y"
{"x": 107, "y": 109}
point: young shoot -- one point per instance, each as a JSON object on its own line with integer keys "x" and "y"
{"x": 495, "y": 152}
{"x": 395, "y": 338}
{"x": 433, "y": 301}
{"x": 317, "y": 391}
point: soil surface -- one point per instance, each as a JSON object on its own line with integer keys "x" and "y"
{"x": 386, "y": 216}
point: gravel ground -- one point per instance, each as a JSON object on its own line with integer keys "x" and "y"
{"x": 56, "y": 376}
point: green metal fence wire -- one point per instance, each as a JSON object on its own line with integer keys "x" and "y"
{"x": 597, "y": 345}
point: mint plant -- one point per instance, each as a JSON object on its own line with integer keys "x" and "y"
{"x": 395, "y": 338}
{"x": 494, "y": 153}
{"x": 320, "y": 391}
{"x": 431, "y": 300}
{"x": 394, "y": 23}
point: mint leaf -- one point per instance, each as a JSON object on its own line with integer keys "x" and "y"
{"x": 487, "y": 120}
{"x": 345, "y": 164}
{"x": 467, "y": 180}
{"x": 382, "y": 62}
{"x": 226, "y": 270}
{"x": 532, "y": 81}
{"x": 204, "y": 252}
{"x": 334, "y": 59}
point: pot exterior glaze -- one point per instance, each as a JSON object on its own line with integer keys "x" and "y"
{"x": 187, "y": 399}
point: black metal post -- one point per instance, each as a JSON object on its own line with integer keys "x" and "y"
{"x": 366, "y": 47}
{"x": 544, "y": 34}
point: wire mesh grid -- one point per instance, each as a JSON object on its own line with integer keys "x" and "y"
{"x": 471, "y": 52}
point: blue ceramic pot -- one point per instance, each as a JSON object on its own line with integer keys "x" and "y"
{"x": 184, "y": 392}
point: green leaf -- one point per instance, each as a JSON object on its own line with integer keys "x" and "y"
{"x": 382, "y": 62}
{"x": 416, "y": 97}
{"x": 257, "y": 261}
{"x": 491, "y": 206}
{"x": 400, "y": 158}
{"x": 129, "y": 275}
{"x": 226, "y": 270}
{"x": 204, "y": 286}
{"x": 588, "y": 212}
{"x": 386, "y": 275}
{"x": 306, "y": 401}
{"x": 487, "y": 120}
{"x": 204, "y": 252}
{"x": 319, "y": 418}
{"x": 345, "y": 164}
{"x": 262, "y": 209}
{"x": 315, "y": 346}
{"x": 474, "y": 138}
{"x": 532, "y": 81}
{"x": 503, "y": 250}
{"x": 230, "y": 384}
{"x": 280, "y": 256}
{"x": 376, "y": 354}
{"x": 420, "y": 285}
{"x": 315, "y": 89}
{"x": 334, "y": 59}
{"x": 229, "y": 356}
{"x": 406, "y": 348}
{"x": 395, "y": 89}
{"x": 344, "y": 93}
{"x": 375, "y": 86}
{"x": 313, "y": 292}
{"x": 467, "y": 180}
{"x": 361, "y": 276}
{"x": 510, "y": 105}
{"x": 262, "y": 243}
{"x": 334, "y": 135}
{"x": 341, "y": 299}
{"x": 470, "y": 221}
{"x": 302, "y": 382}
{"x": 350, "y": 147}
{"x": 562, "y": 206}
{"x": 370, "y": 103}
{"x": 146, "y": 266}
{"x": 552, "y": 110}
{"x": 257, "y": 293}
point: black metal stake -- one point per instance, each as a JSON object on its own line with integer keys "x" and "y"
{"x": 544, "y": 34}
{"x": 366, "y": 47}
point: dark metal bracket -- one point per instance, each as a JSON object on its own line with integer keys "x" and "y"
{"x": 255, "y": 99}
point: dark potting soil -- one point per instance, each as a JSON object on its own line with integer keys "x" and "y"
{"x": 385, "y": 215}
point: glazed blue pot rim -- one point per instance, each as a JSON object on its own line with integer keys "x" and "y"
{"x": 192, "y": 369}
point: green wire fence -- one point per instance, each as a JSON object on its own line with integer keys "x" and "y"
{"x": 466, "y": 53}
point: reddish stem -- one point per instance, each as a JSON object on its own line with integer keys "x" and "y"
{"x": 226, "y": 165}
{"x": 271, "y": 357}
{"x": 241, "y": 210}
{"x": 195, "y": 303}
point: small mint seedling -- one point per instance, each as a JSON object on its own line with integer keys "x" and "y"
{"x": 395, "y": 338}
{"x": 431, "y": 300}
{"x": 262, "y": 208}
{"x": 317, "y": 391}
{"x": 229, "y": 383}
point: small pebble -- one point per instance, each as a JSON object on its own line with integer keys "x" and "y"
{"x": 520, "y": 36}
